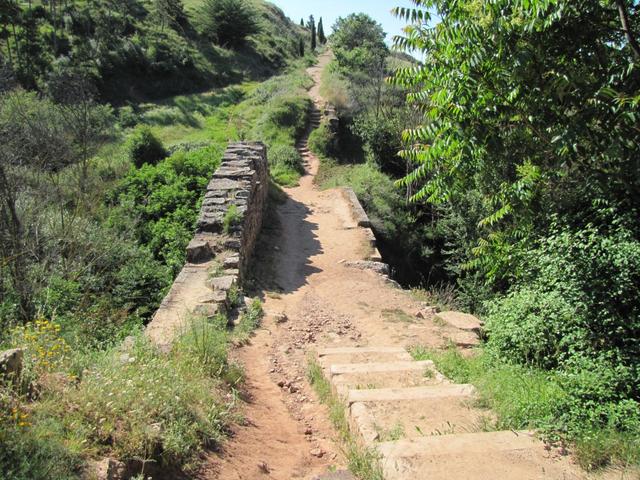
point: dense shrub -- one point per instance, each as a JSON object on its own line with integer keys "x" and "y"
{"x": 322, "y": 141}
{"x": 572, "y": 311}
{"x": 227, "y": 22}
{"x": 160, "y": 203}
{"x": 286, "y": 156}
{"x": 285, "y": 164}
{"x": 575, "y": 291}
{"x": 144, "y": 147}
{"x": 536, "y": 328}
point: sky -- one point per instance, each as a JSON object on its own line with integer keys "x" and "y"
{"x": 330, "y": 10}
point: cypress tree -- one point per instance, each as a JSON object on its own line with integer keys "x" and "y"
{"x": 312, "y": 26}
{"x": 301, "y": 47}
{"x": 321, "y": 36}
{"x": 302, "y": 22}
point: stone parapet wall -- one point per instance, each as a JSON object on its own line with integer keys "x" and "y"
{"x": 241, "y": 181}
{"x": 219, "y": 254}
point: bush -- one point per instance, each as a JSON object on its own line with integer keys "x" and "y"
{"x": 322, "y": 141}
{"x": 144, "y": 147}
{"x": 159, "y": 203}
{"x": 285, "y": 164}
{"x": 127, "y": 117}
{"x": 228, "y": 22}
{"x": 532, "y": 327}
{"x": 145, "y": 405}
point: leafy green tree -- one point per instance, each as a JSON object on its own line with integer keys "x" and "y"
{"x": 228, "y": 22}
{"x": 361, "y": 55}
{"x": 321, "y": 36}
{"x": 88, "y": 122}
{"x": 532, "y": 103}
{"x": 312, "y": 29}
{"x": 358, "y": 43}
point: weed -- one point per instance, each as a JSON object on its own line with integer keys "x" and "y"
{"x": 363, "y": 462}
{"x": 216, "y": 269}
{"x": 232, "y": 218}
{"x": 391, "y": 435}
{"x": 249, "y": 321}
{"x": 443, "y": 296}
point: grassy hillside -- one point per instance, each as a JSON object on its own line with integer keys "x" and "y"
{"x": 134, "y": 51}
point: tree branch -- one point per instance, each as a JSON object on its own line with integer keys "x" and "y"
{"x": 624, "y": 20}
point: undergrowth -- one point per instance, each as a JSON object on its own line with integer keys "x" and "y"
{"x": 130, "y": 402}
{"x": 529, "y": 398}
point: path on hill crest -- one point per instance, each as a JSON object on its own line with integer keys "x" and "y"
{"x": 313, "y": 300}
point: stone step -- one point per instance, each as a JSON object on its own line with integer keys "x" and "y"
{"x": 444, "y": 414}
{"x": 504, "y": 455}
{"x": 424, "y": 392}
{"x": 341, "y": 350}
{"x": 380, "y": 367}
{"x": 342, "y": 355}
{"x": 366, "y": 376}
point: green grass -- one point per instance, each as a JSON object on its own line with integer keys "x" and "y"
{"x": 249, "y": 321}
{"x": 526, "y": 398}
{"x": 363, "y": 462}
{"x": 132, "y": 404}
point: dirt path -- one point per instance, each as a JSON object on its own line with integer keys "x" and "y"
{"x": 287, "y": 434}
{"x": 312, "y": 300}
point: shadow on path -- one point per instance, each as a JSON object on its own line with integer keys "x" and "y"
{"x": 282, "y": 259}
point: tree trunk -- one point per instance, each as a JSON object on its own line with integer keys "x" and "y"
{"x": 626, "y": 28}
{"x": 13, "y": 247}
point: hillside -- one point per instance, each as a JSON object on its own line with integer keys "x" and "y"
{"x": 137, "y": 50}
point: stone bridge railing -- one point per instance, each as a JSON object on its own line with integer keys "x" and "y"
{"x": 218, "y": 255}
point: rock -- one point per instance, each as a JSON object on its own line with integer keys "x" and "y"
{"x": 263, "y": 467}
{"x": 462, "y": 321}
{"x": 232, "y": 262}
{"x": 11, "y": 363}
{"x": 419, "y": 314}
{"x": 199, "y": 251}
{"x": 223, "y": 283}
{"x": 317, "y": 452}
{"x": 108, "y": 469}
{"x": 217, "y": 296}
{"x": 208, "y": 310}
{"x": 381, "y": 268}
{"x": 232, "y": 244}
{"x": 210, "y": 222}
{"x": 128, "y": 343}
{"x": 280, "y": 317}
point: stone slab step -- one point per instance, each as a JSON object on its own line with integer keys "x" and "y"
{"x": 504, "y": 455}
{"x": 462, "y": 321}
{"x": 383, "y": 367}
{"x": 342, "y": 355}
{"x": 410, "y": 393}
{"x": 398, "y": 379}
{"x": 412, "y": 418}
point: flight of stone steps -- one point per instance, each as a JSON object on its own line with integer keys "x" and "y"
{"x": 426, "y": 427}
{"x": 303, "y": 144}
